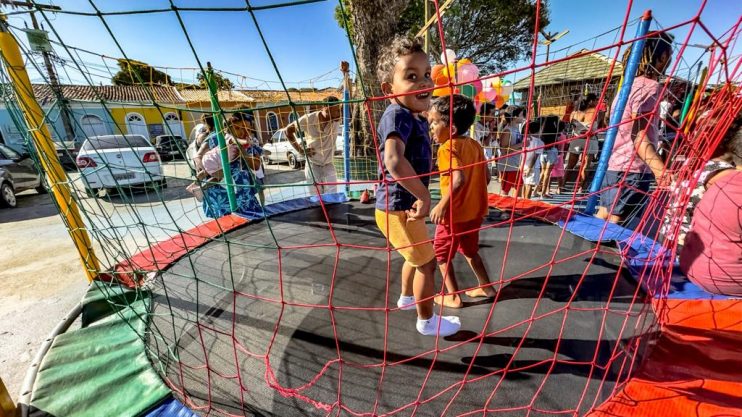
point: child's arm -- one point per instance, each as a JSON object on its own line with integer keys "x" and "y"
{"x": 645, "y": 149}
{"x": 438, "y": 214}
{"x": 200, "y": 155}
{"x": 400, "y": 169}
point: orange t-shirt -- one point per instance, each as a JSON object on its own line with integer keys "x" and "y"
{"x": 470, "y": 201}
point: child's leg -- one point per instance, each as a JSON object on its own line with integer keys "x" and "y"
{"x": 546, "y": 176}
{"x": 446, "y": 245}
{"x": 423, "y": 286}
{"x": 485, "y": 289}
{"x": 406, "y": 299}
{"x": 428, "y": 323}
{"x": 451, "y": 298}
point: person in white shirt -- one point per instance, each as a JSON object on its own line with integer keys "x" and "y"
{"x": 319, "y": 130}
{"x": 484, "y": 130}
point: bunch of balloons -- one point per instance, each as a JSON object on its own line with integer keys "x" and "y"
{"x": 464, "y": 72}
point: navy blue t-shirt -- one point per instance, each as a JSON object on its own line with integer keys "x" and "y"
{"x": 413, "y": 131}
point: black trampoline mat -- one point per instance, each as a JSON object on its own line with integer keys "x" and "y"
{"x": 550, "y": 344}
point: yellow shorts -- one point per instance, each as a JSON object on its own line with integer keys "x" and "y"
{"x": 406, "y": 237}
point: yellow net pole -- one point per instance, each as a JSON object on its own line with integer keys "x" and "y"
{"x": 44, "y": 145}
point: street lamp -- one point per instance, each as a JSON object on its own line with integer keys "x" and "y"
{"x": 550, "y": 38}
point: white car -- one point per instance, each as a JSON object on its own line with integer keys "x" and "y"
{"x": 111, "y": 161}
{"x": 281, "y": 150}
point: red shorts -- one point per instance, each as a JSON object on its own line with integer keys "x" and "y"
{"x": 466, "y": 241}
{"x": 509, "y": 180}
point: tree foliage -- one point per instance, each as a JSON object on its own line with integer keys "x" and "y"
{"x": 132, "y": 72}
{"x": 222, "y": 82}
{"x": 492, "y": 33}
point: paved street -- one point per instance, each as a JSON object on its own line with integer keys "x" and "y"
{"x": 41, "y": 277}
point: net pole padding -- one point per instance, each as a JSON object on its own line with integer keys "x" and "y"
{"x": 689, "y": 96}
{"x": 345, "y": 67}
{"x": 42, "y": 141}
{"x": 617, "y": 111}
{"x": 218, "y": 123}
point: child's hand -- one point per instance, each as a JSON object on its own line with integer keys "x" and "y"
{"x": 438, "y": 214}
{"x": 419, "y": 210}
{"x": 309, "y": 152}
{"x": 526, "y": 171}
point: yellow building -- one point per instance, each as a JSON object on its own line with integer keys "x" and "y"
{"x": 108, "y": 109}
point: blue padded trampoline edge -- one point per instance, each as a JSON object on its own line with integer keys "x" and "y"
{"x": 643, "y": 253}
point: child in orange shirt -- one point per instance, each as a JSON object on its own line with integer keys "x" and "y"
{"x": 463, "y": 204}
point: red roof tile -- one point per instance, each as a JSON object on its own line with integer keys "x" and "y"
{"x": 110, "y": 93}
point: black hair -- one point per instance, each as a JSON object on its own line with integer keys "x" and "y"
{"x": 331, "y": 100}
{"x": 655, "y": 47}
{"x": 512, "y": 112}
{"x": 208, "y": 120}
{"x": 463, "y": 111}
{"x": 548, "y": 126}
{"x": 241, "y": 116}
{"x": 585, "y": 101}
{"x": 390, "y": 54}
{"x": 486, "y": 108}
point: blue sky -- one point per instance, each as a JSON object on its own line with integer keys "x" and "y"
{"x": 305, "y": 40}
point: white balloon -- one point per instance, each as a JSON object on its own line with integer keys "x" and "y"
{"x": 449, "y": 55}
{"x": 507, "y": 90}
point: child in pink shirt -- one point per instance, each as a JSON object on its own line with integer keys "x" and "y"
{"x": 634, "y": 160}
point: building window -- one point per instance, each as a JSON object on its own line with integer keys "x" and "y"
{"x": 93, "y": 125}
{"x": 136, "y": 125}
{"x": 292, "y": 117}
{"x": 271, "y": 120}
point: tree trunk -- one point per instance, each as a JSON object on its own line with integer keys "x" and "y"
{"x": 375, "y": 24}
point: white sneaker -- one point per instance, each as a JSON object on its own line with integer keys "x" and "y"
{"x": 406, "y": 302}
{"x": 448, "y": 325}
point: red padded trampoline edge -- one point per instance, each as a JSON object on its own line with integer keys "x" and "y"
{"x": 131, "y": 272}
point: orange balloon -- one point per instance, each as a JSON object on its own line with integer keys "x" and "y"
{"x": 440, "y": 79}
{"x": 439, "y": 92}
{"x": 436, "y": 72}
{"x": 499, "y": 102}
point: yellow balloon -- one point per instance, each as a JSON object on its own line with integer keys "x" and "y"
{"x": 463, "y": 62}
{"x": 449, "y": 71}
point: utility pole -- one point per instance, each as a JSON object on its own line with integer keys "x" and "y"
{"x": 53, "y": 80}
{"x": 549, "y": 38}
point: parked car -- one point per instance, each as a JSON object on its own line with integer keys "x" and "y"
{"x": 282, "y": 151}
{"x": 66, "y": 151}
{"x": 17, "y": 173}
{"x": 111, "y": 161}
{"x": 170, "y": 147}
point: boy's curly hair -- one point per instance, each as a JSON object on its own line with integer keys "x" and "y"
{"x": 400, "y": 46}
